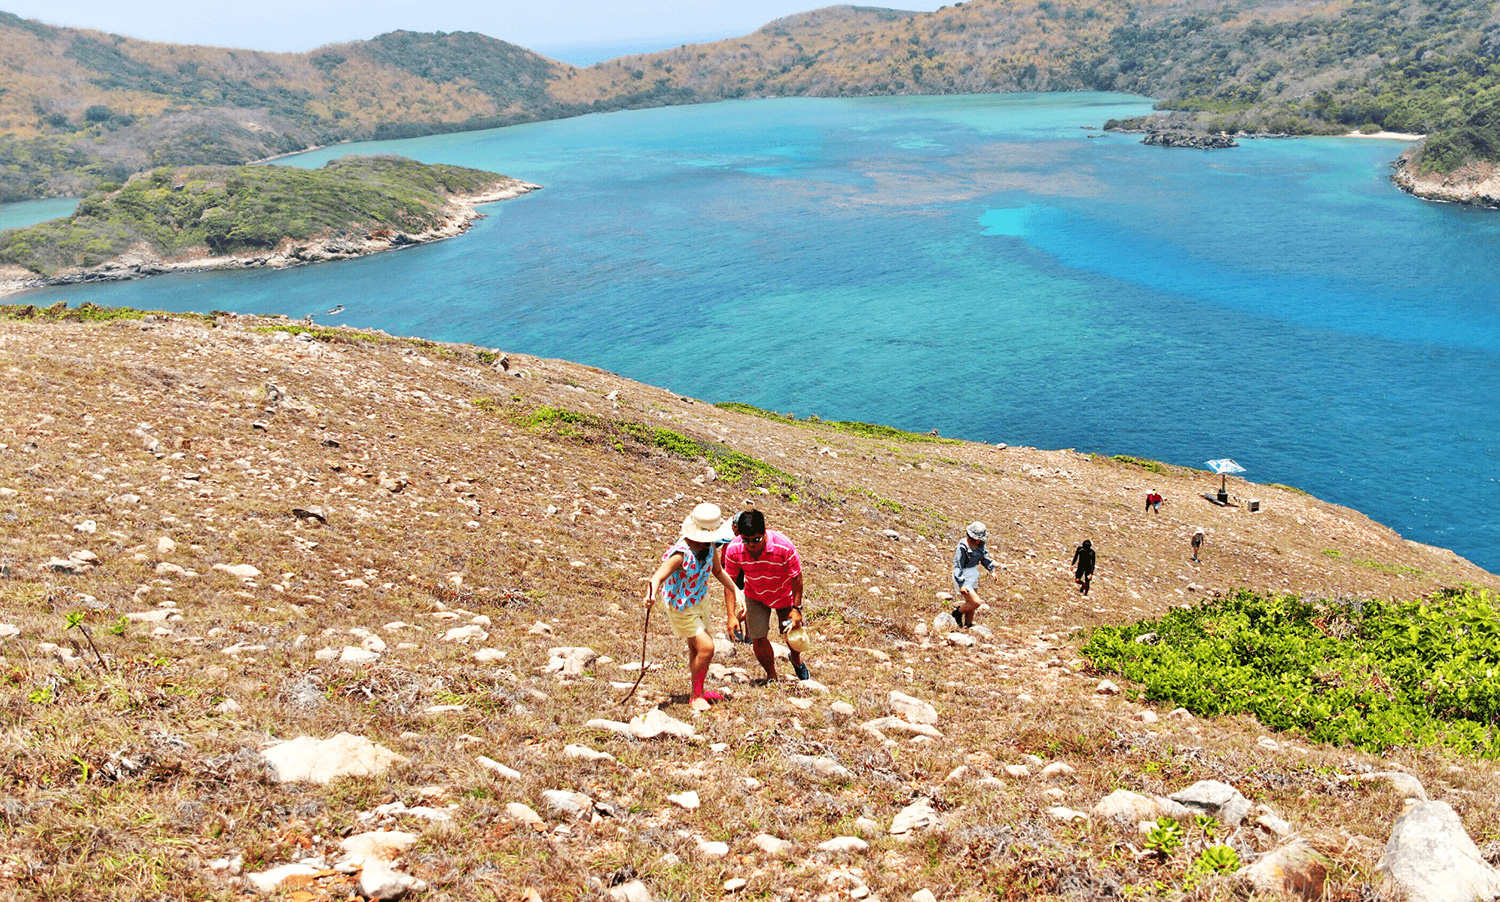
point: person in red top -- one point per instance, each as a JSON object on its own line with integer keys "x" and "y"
{"x": 766, "y": 564}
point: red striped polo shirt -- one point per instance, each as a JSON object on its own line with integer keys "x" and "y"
{"x": 768, "y": 579}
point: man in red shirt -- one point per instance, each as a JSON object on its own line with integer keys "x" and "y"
{"x": 765, "y": 564}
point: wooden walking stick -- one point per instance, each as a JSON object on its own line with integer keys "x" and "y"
{"x": 645, "y": 634}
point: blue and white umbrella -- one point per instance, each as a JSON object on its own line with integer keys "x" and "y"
{"x": 1224, "y": 466}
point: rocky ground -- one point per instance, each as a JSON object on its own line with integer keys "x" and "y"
{"x": 1476, "y": 184}
{"x": 329, "y": 614}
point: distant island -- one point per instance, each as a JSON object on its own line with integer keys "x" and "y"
{"x": 218, "y": 217}
{"x": 82, "y": 108}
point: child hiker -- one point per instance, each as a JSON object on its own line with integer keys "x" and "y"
{"x": 682, "y": 581}
{"x": 971, "y": 552}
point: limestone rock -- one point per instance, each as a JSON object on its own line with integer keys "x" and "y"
{"x": 523, "y": 814}
{"x": 1295, "y": 869}
{"x": 240, "y": 571}
{"x": 1430, "y": 858}
{"x": 571, "y": 661}
{"x": 896, "y": 725}
{"x": 1131, "y": 807}
{"x": 497, "y": 767}
{"x": 657, "y": 722}
{"x": 357, "y": 656}
{"x": 269, "y": 881}
{"x": 1106, "y": 687}
{"x": 820, "y": 766}
{"x": 321, "y": 761}
{"x": 844, "y": 844}
{"x": 1218, "y": 799}
{"x": 687, "y": 801}
{"x": 373, "y": 853}
{"x": 574, "y": 804}
{"x": 1405, "y": 785}
{"x": 585, "y": 753}
{"x": 912, "y": 709}
{"x": 634, "y": 891}
{"x": 917, "y": 816}
{"x": 463, "y": 634}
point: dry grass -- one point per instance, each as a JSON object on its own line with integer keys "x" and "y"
{"x": 121, "y": 773}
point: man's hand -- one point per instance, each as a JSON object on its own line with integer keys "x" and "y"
{"x": 796, "y": 617}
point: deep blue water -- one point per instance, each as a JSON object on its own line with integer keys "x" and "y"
{"x": 979, "y": 265}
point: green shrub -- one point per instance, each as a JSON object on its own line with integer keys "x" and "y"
{"x": 1372, "y": 674}
{"x": 1150, "y": 466}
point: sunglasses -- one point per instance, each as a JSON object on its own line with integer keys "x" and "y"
{"x": 753, "y": 540}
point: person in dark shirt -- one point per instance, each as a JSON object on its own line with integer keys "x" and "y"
{"x": 1083, "y": 565}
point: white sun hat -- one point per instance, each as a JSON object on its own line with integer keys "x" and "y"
{"x": 977, "y": 532}
{"x": 706, "y": 524}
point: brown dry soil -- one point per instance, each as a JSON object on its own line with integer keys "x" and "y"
{"x": 453, "y": 488}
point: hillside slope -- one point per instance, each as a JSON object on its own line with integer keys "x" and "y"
{"x": 270, "y": 531}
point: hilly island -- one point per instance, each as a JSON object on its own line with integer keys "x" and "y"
{"x": 79, "y": 107}
{"x": 319, "y": 612}
{"x": 216, "y": 217}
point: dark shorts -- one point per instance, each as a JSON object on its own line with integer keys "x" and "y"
{"x": 758, "y": 618}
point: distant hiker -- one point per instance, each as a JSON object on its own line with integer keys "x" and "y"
{"x": 1083, "y": 565}
{"x": 970, "y": 553}
{"x": 1153, "y": 502}
{"x": 682, "y": 581}
{"x": 1197, "y": 543}
{"x": 767, "y": 563}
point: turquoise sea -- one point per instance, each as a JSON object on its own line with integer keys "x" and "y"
{"x": 986, "y": 266}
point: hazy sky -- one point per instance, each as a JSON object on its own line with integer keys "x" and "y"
{"x": 543, "y": 25}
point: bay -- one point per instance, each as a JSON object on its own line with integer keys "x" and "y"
{"x": 30, "y": 212}
{"x": 987, "y": 266}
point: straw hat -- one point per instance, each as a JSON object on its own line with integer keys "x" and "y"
{"x": 977, "y": 532}
{"x": 706, "y": 524}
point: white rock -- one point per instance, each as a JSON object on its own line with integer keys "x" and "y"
{"x": 489, "y": 655}
{"x": 563, "y": 801}
{"x": 1295, "y": 870}
{"x": 1147, "y": 716}
{"x": 242, "y": 571}
{"x": 1058, "y": 769}
{"x": 571, "y": 660}
{"x": 735, "y": 884}
{"x": 374, "y": 854}
{"x": 912, "y": 709}
{"x": 685, "y": 800}
{"x": 923, "y": 895}
{"x": 960, "y": 640}
{"x": 585, "y": 753}
{"x": 87, "y": 526}
{"x": 158, "y": 616}
{"x": 917, "y": 816}
{"x": 465, "y": 634}
{"x": 164, "y": 545}
{"x": 844, "y": 844}
{"x": 1431, "y": 858}
{"x": 493, "y": 765}
{"x": 819, "y": 766}
{"x": 229, "y": 706}
{"x": 444, "y": 709}
{"x": 540, "y": 629}
{"x": 1131, "y": 807}
{"x": 881, "y": 725}
{"x": 522, "y": 814}
{"x": 1066, "y": 815}
{"x": 1179, "y": 714}
{"x": 1017, "y": 770}
{"x": 1218, "y": 799}
{"x": 712, "y": 849}
{"x": 943, "y": 624}
{"x": 770, "y": 844}
{"x": 270, "y": 881}
{"x": 321, "y": 761}
{"x": 1406, "y": 786}
{"x": 867, "y": 826}
{"x": 1106, "y": 687}
{"x": 656, "y": 723}
{"x": 9, "y": 631}
{"x": 357, "y": 656}
{"x": 634, "y": 891}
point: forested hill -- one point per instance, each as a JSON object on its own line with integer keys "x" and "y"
{"x": 80, "y": 107}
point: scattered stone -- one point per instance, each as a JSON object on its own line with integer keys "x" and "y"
{"x": 489, "y": 655}
{"x": 585, "y": 753}
{"x": 1106, "y": 687}
{"x": 943, "y": 624}
{"x": 712, "y": 849}
{"x": 867, "y": 826}
{"x": 540, "y": 629}
{"x": 960, "y": 640}
{"x": 820, "y": 766}
{"x": 1147, "y": 716}
{"x": 497, "y": 767}
{"x": 1065, "y": 815}
{"x": 879, "y": 725}
{"x": 840, "y": 712}
{"x": 735, "y": 884}
{"x": 1058, "y": 769}
{"x": 165, "y": 545}
{"x": 574, "y": 804}
{"x": 1296, "y": 869}
{"x": 1017, "y": 770}
{"x": 269, "y": 881}
{"x": 1179, "y": 714}
{"x": 1405, "y": 785}
{"x": 770, "y": 844}
{"x": 374, "y": 855}
{"x": 464, "y": 634}
{"x": 912, "y": 709}
{"x": 1431, "y": 858}
{"x": 1131, "y": 807}
{"x": 240, "y": 571}
{"x": 1218, "y": 799}
{"x": 844, "y": 844}
{"x": 523, "y": 815}
{"x": 656, "y": 723}
{"x": 571, "y": 661}
{"x": 634, "y": 891}
{"x": 322, "y": 761}
{"x": 918, "y": 816}
{"x": 357, "y": 656}
{"x": 685, "y": 800}
{"x": 923, "y": 895}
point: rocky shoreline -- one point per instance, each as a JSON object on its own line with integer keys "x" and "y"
{"x": 458, "y": 215}
{"x": 1476, "y": 184}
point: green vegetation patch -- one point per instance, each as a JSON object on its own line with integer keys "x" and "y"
{"x": 230, "y": 210}
{"x": 1371, "y": 674}
{"x": 1373, "y": 565}
{"x": 622, "y": 435}
{"x": 83, "y": 313}
{"x": 1151, "y": 466}
{"x": 849, "y": 427}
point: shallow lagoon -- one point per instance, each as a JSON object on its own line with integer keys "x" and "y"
{"x": 986, "y": 266}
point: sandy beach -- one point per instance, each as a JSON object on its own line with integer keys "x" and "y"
{"x": 1387, "y": 136}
